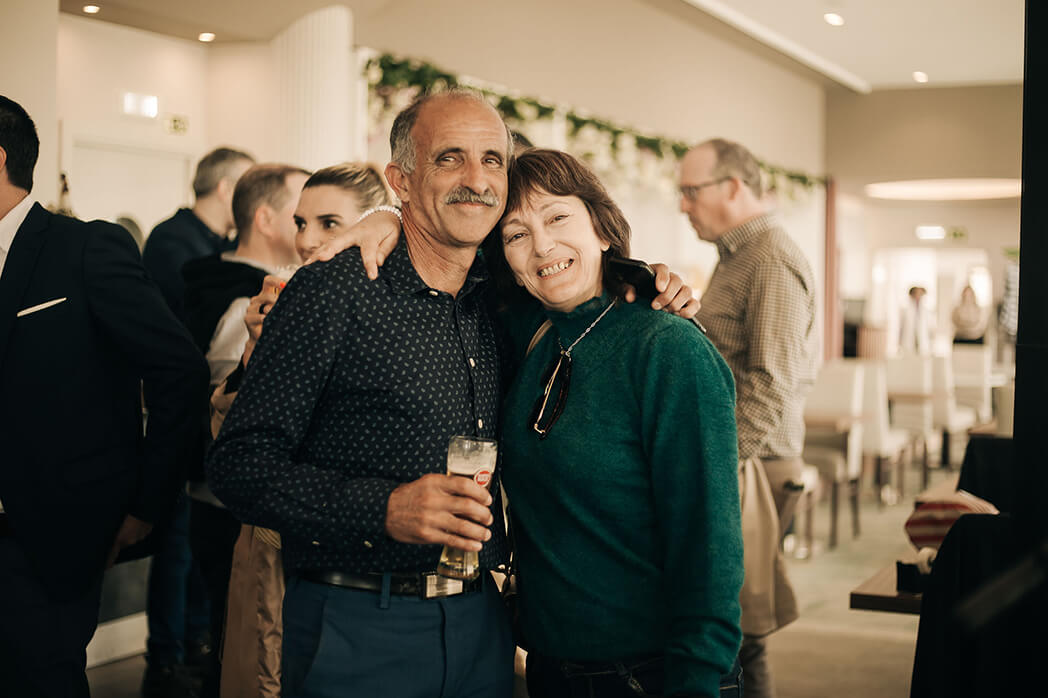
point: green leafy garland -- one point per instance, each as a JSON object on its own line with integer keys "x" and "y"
{"x": 387, "y": 75}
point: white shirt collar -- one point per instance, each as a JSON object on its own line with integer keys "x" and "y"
{"x": 10, "y": 223}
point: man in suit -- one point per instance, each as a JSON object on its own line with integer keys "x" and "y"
{"x": 84, "y": 335}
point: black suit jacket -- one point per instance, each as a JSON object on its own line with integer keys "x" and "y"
{"x": 74, "y": 460}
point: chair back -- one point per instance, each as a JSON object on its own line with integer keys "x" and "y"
{"x": 838, "y": 392}
{"x": 1004, "y": 410}
{"x": 972, "y": 370}
{"x": 910, "y": 375}
{"x": 944, "y": 403}
{"x": 874, "y": 406}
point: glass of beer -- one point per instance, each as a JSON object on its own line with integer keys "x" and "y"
{"x": 474, "y": 458}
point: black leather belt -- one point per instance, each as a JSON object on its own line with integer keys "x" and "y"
{"x": 424, "y": 585}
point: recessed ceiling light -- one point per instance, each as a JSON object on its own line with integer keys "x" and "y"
{"x": 833, "y": 19}
{"x": 92, "y": 9}
{"x": 919, "y": 76}
{"x": 946, "y": 189}
{"x": 206, "y": 37}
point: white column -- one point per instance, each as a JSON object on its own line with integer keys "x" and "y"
{"x": 316, "y": 80}
{"x": 28, "y": 52}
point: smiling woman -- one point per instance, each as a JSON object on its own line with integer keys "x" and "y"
{"x": 559, "y": 230}
{"x": 619, "y": 458}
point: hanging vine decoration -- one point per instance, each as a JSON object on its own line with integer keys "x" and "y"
{"x": 386, "y": 74}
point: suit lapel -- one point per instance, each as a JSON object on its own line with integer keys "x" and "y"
{"x": 18, "y": 269}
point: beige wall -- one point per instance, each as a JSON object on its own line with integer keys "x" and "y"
{"x": 634, "y": 64}
{"x": 626, "y": 61}
{"x": 241, "y": 98}
{"x": 28, "y": 31}
{"x": 923, "y": 134}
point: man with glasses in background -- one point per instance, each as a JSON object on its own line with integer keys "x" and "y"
{"x": 760, "y": 313}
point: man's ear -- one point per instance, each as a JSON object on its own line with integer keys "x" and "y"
{"x": 398, "y": 181}
{"x": 225, "y": 188}
{"x": 735, "y": 188}
{"x": 3, "y": 165}
{"x": 262, "y": 221}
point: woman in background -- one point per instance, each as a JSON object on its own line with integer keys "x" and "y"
{"x": 969, "y": 319}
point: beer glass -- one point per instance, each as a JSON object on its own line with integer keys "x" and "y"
{"x": 473, "y": 458}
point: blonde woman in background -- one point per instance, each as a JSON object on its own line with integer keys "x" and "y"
{"x": 969, "y": 319}
{"x": 332, "y": 200}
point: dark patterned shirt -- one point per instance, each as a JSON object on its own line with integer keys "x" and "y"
{"x": 355, "y": 387}
{"x": 759, "y": 310}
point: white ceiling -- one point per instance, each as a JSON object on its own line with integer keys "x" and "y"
{"x": 956, "y": 42}
{"x": 882, "y": 42}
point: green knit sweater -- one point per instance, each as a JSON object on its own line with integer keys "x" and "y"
{"x": 627, "y": 516}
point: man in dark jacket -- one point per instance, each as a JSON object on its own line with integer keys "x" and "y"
{"x": 84, "y": 334}
{"x": 200, "y": 231}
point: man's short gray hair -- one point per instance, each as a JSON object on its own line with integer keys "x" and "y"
{"x": 734, "y": 160}
{"x": 216, "y": 166}
{"x": 402, "y": 145}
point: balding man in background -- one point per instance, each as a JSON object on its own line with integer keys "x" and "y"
{"x": 760, "y": 313}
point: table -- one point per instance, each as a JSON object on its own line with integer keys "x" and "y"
{"x": 833, "y": 422}
{"x": 878, "y": 593}
{"x": 976, "y": 380}
{"x": 909, "y": 397}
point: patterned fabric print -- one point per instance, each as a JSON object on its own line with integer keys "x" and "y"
{"x": 759, "y": 310}
{"x": 356, "y": 387}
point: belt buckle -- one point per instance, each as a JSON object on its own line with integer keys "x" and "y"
{"x": 435, "y": 586}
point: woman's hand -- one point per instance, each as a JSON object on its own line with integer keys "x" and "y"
{"x": 675, "y": 296}
{"x": 257, "y": 309}
{"x": 376, "y": 236}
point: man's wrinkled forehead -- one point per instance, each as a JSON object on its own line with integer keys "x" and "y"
{"x": 460, "y": 123}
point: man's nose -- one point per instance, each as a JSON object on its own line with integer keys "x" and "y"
{"x": 474, "y": 177}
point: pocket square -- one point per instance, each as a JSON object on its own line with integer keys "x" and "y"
{"x": 40, "y": 306}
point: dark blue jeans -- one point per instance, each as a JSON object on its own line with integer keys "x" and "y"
{"x": 177, "y": 609}
{"x": 343, "y": 642}
{"x": 554, "y": 678}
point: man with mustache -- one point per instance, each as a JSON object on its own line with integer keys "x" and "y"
{"x": 338, "y": 437}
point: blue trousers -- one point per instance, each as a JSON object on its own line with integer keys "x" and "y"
{"x": 177, "y": 609}
{"x": 344, "y": 642}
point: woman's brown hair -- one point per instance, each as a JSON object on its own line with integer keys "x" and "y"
{"x": 540, "y": 170}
